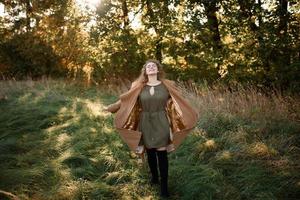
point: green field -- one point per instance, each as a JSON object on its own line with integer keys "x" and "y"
{"x": 56, "y": 143}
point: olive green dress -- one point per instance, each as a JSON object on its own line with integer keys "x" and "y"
{"x": 153, "y": 121}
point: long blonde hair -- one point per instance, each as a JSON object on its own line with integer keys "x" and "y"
{"x": 143, "y": 77}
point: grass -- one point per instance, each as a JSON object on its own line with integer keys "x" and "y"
{"x": 56, "y": 143}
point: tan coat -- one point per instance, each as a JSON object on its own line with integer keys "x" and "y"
{"x": 182, "y": 116}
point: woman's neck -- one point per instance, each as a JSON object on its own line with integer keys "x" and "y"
{"x": 152, "y": 80}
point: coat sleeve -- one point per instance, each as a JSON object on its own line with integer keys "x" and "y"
{"x": 177, "y": 87}
{"x": 113, "y": 108}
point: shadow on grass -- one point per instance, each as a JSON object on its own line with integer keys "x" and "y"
{"x": 55, "y": 143}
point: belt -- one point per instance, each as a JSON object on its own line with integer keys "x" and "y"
{"x": 152, "y": 113}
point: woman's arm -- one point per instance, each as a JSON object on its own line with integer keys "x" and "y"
{"x": 113, "y": 108}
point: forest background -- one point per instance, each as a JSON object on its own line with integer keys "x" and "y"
{"x": 236, "y": 61}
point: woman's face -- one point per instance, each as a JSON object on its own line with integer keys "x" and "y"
{"x": 151, "y": 68}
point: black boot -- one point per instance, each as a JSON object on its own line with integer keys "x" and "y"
{"x": 163, "y": 169}
{"x": 152, "y": 162}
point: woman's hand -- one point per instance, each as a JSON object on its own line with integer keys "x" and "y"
{"x": 105, "y": 109}
{"x": 113, "y": 108}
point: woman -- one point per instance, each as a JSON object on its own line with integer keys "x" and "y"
{"x": 154, "y": 117}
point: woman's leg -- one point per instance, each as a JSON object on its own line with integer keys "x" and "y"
{"x": 163, "y": 169}
{"x": 152, "y": 162}
{"x": 161, "y": 148}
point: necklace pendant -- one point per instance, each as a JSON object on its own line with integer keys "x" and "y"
{"x": 151, "y": 90}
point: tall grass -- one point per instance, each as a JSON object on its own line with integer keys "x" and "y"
{"x": 247, "y": 145}
{"x": 56, "y": 143}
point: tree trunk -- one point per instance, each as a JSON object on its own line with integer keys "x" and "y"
{"x": 158, "y": 45}
{"x": 126, "y": 32}
{"x": 28, "y": 15}
{"x": 213, "y": 24}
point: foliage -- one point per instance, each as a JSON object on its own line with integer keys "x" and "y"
{"x": 215, "y": 41}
